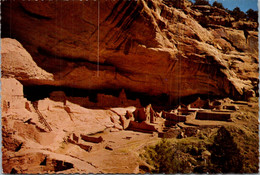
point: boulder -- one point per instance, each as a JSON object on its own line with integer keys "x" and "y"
{"x": 16, "y": 62}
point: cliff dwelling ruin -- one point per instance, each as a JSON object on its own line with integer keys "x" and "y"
{"x": 120, "y": 86}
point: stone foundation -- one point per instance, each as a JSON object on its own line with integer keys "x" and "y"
{"x": 209, "y": 115}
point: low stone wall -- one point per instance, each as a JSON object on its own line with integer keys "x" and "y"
{"x": 190, "y": 110}
{"x": 219, "y": 116}
{"x": 141, "y": 126}
{"x": 231, "y": 107}
{"x": 76, "y": 140}
{"x": 174, "y": 117}
{"x": 91, "y": 139}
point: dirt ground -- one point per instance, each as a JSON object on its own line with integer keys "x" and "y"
{"x": 118, "y": 153}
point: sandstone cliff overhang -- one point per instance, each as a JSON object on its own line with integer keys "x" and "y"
{"x": 142, "y": 46}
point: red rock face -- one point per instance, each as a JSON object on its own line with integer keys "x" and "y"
{"x": 155, "y": 48}
{"x": 142, "y": 46}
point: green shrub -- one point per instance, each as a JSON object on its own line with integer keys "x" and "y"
{"x": 225, "y": 154}
{"x": 165, "y": 158}
{"x": 252, "y": 15}
{"x": 233, "y": 150}
{"x": 218, "y": 5}
{"x": 238, "y": 14}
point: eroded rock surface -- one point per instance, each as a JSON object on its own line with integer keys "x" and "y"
{"x": 16, "y": 62}
{"x": 149, "y": 47}
{"x": 144, "y": 46}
